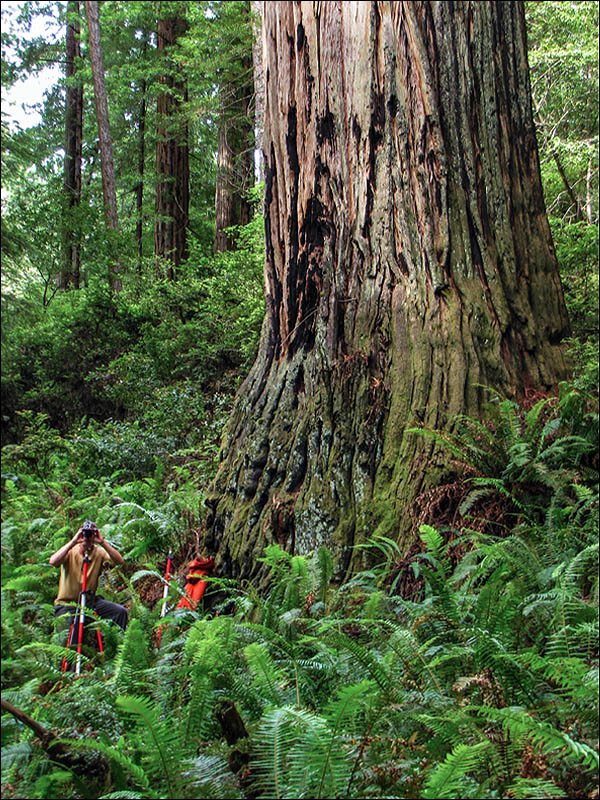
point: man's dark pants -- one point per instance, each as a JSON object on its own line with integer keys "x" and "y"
{"x": 104, "y": 608}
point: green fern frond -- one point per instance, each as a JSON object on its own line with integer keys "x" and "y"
{"x": 534, "y": 788}
{"x": 574, "y": 641}
{"x": 197, "y": 709}
{"x": 499, "y": 486}
{"x": 350, "y": 704}
{"x": 145, "y": 573}
{"x": 366, "y": 658}
{"x": 447, "y": 441}
{"x": 407, "y": 647}
{"x": 448, "y": 728}
{"x": 50, "y": 655}
{"x": 212, "y": 779}
{"x": 296, "y": 755}
{"x": 210, "y": 642}
{"x": 572, "y": 676}
{"x": 116, "y": 754}
{"x": 163, "y": 748}
{"x": 325, "y": 573}
{"x": 453, "y": 658}
{"x": 15, "y": 754}
{"x": 266, "y": 673}
{"x": 533, "y": 419}
{"x": 319, "y": 765}
{"x": 474, "y": 497}
{"x": 448, "y": 778}
{"x": 132, "y": 659}
{"x": 546, "y": 737}
{"x": 433, "y": 541}
{"x": 584, "y": 566}
{"x": 24, "y": 583}
{"x": 272, "y": 742}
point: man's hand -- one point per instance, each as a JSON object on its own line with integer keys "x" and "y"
{"x": 56, "y": 559}
{"x": 114, "y": 554}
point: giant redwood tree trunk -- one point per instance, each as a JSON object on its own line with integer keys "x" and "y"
{"x": 409, "y": 262}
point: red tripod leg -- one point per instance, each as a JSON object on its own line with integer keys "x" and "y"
{"x": 99, "y": 637}
{"x": 63, "y": 666}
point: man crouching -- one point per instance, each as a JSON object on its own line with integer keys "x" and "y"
{"x": 87, "y": 541}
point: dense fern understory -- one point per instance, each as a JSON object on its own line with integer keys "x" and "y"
{"x": 469, "y": 669}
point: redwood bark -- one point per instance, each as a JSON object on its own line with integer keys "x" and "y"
{"x": 409, "y": 263}
{"x": 107, "y": 167}
{"x": 172, "y": 157}
{"x": 70, "y": 275}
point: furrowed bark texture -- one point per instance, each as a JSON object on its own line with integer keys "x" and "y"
{"x": 172, "y": 158}
{"x": 409, "y": 262}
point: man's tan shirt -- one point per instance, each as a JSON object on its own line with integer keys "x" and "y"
{"x": 71, "y": 573}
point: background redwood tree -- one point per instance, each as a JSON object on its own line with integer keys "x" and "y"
{"x": 235, "y": 162}
{"x": 69, "y": 276}
{"x": 409, "y": 263}
{"x": 172, "y": 153}
{"x": 109, "y": 187}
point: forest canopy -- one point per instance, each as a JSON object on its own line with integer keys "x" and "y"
{"x": 310, "y": 290}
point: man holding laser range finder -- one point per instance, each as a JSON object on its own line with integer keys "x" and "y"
{"x": 85, "y": 555}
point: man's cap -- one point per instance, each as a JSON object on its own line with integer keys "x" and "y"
{"x": 88, "y": 525}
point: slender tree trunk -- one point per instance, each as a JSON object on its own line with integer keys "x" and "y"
{"x": 70, "y": 275}
{"x": 234, "y": 160}
{"x": 589, "y": 204}
{"x": 259, "y": 86}
{"x": 109, "y": 190}
{"x": 575, "y": 210}
{"x": 409, "y": 262}
{"x": 139, "y": 190}
{"x": 172, "y": 157}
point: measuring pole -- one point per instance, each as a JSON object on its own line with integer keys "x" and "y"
{"x": 163, "y": 610}
{"x": 82, "y": 605}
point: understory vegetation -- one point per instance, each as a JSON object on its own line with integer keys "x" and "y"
{"x": 466, "y": 668}
{"x": 470, "y": 670}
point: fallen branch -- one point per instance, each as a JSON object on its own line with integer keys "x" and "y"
{"x": 57, "y": 750}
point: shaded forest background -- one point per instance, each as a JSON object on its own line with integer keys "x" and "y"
{"x": 124, "y": 342}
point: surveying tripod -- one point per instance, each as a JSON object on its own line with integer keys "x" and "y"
{"x": 79, "y": 622}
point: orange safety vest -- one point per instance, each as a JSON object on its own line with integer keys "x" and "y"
{"x": 195, "y": 586}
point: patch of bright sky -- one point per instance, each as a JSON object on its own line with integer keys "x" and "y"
{"x": 21, "y": 102}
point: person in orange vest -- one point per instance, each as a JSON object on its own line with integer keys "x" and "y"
{"x": 195, "y": 587}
